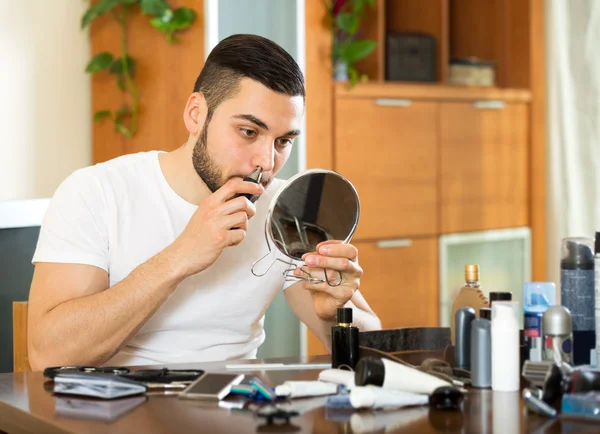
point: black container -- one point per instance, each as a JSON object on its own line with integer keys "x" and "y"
{"x": 577, "y": 294}
{"x": 344, "y": 341}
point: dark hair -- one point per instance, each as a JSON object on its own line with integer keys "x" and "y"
{"x": 247, "y": 56}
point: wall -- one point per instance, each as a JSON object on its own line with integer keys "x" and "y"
{"x": 45, "y": 126}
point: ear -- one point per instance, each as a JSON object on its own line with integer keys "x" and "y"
{"x": 194, "y": 113}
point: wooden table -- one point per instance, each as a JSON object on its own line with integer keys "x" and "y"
{"x": 28, "y": 406}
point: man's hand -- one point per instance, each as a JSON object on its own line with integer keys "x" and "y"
{"x": 220, "y": 221}
{"x": 332, "y": 256}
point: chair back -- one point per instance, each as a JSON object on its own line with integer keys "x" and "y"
{"x": 20, "y": 357}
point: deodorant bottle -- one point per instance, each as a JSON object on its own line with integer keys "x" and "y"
{"x": 481, "y": 353}
{"x": 577, "y": 294}
{"x": 597, "y": 303}
{"x": 505, "y": 346}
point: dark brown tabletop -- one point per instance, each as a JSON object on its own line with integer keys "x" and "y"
{"x": 28, "y": 406}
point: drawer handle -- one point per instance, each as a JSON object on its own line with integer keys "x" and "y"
{"x": 391, "y": 244}
{"x": 495, "y": 105}
{"x": 393, "y": 102}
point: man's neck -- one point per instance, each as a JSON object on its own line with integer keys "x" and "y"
{"x": 178, "y": 170}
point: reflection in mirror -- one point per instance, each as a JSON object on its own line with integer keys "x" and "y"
{"x": 315, "y": 206}
{"x": 102, "y": 410}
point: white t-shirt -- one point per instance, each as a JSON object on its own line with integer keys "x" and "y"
{"x": 116, "y": 215}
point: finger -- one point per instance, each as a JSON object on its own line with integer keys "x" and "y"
{"x": 236, "y": 186}
{"x": 238, "y": 220}
{"x": 341, "y": 250}
{"x": 236, "y": 205}
{"x": 334, "y": 263}
{"x": 235, "y": 236}
{"x": 342, "y": 292}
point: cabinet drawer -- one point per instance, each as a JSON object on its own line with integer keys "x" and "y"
{"x": 388, "y": 149}
{"x": 483, "y": 174}
{"x": 400, "y": 283}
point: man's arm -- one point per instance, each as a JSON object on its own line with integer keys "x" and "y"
{"x": 301, "y": 303}
{"x": 68, "y": 328}
{"x": 75, "y": 319}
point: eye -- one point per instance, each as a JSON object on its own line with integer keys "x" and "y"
{"x": 284, "y": 143}
{"x": 248, "y": 133}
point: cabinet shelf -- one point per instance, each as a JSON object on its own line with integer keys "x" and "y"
{"x": 434, "y": 91}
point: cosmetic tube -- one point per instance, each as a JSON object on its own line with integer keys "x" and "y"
{"x": 392, "y": 375}
{"x": 301, "y": 389}
{"x": 377, "y": 397}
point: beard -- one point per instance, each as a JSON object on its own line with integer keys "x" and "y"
{"x": 206, "y": 168}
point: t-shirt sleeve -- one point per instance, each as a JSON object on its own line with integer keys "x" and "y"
{"x": 74, "y": 228}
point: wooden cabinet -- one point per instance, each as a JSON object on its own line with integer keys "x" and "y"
{"x": 484, "y": 160}
{"x": 387, "y": 147}
{"x": 400, "y": 283}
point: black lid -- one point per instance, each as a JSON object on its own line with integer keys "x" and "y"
{"x": 344, "y": 315}
{"x": 500, "y": 296}
{"x": 369, "y": 370}
{"x": 597, "y": 246}
{"x": 577, "y": 254}
{"x": 486, "y": 313}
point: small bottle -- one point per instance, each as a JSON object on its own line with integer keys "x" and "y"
{"x": 537, "y": 297}
{"x": 463, "y": 320}
{"x": 597, "y": 291}
{"x": 505, "y": 346}
{"x": 481, "y": 352}
{"x": 344, "y": 341}
{"x": 558, "y": 334}
{"x": 470, "y": 295}
{"x": 577, "y": 294}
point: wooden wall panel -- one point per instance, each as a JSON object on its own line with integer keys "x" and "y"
{"x": 319, "y": 88}
{"x": 165, "y": 76}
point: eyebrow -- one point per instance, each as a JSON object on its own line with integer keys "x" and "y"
{"x": 261, "y": 124}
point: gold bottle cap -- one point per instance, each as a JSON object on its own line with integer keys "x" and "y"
{"x": 472, "y": 273}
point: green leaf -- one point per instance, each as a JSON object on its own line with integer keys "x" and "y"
{"x": 156, "y": 8}
{"x": 96, "y": 10}
{"x": 117, "y": 66}
{"x": 182, "y": 18}
{"x": 101, "y": 115}
{"x": 99, "y": 62}
{"x": 353, "y": 75}
{"x": 358, "y": 50}
{"x": 127, "y": 2}
{"x": 347, "y": 22}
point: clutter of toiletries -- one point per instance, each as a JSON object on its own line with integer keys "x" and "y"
{"x": 556, "y": 351}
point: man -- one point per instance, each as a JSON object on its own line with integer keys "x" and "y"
{"x": 145, "y": 259}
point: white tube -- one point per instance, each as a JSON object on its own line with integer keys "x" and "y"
{"x": 407, "y": 379}
{"x": 338, "y": 376}
{"x": 377, "y": 397}
{"x": 299, "y": 389}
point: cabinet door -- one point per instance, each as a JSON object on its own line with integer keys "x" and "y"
{"x": 388, "y": 149}
{"x": 483, "y": 176}
{"x": 400, "y": 283}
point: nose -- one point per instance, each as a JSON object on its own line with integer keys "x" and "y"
{"x": 264, "y": 156}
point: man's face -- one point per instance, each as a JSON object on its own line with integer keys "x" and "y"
{"x": 256, "y": 127}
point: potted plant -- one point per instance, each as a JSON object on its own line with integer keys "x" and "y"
{"x": 348, "y": 48}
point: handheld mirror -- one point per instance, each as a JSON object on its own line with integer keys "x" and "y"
{"x": 314, "y": 206}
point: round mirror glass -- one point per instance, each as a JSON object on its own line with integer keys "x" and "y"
{"x": 315, "y": 206}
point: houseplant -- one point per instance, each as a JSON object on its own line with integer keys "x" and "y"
{"x": 348, "y": 48}
{"x": 161, "y": 17}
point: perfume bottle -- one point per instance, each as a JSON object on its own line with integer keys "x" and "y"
{"x": 470, "y": 295}
{"x": 344, "y": 341}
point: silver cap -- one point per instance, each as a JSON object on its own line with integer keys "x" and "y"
{"x": 556, "y": 321}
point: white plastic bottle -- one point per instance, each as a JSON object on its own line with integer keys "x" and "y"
{"x": 505, "y": 346}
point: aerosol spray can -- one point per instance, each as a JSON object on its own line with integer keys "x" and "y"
{"x": 597, "y": 287}
{"x": 577, "y": 294}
